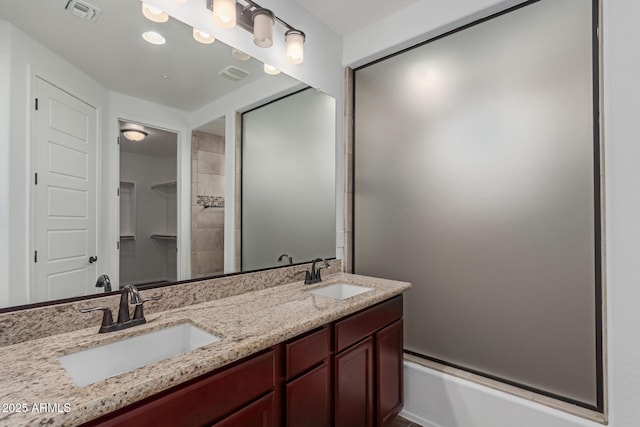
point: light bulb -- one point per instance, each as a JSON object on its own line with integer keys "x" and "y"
{"x": 295, "y": 46}
{"x": 224, "y": 13}
{"x": 263, "y": 22}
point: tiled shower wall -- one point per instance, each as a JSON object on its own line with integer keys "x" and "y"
{"x": 207, "y": 204}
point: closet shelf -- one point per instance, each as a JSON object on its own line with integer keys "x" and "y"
{"x": 164, "y": 236}
{"x": 165, "y": 187}
{"x": 127, "y": 237}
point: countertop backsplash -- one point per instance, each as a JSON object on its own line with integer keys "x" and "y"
{"x": 33, "y": 323}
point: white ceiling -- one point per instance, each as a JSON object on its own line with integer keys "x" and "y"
{"x": 113, "y": 52}
{"x": 347, "y": 16}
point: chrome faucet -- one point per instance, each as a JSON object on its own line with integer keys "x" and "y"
{"x": 313, "y": 276}
{"x": 129, "y": 295}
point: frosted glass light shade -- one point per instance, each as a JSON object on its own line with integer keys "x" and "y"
{"x": 134, "y": 135}
{"x": 202, "y": 37}
{"x": 295, "y": 46}
{"x": 263, "y": 22}
{"x": 270, "y": 69}
{"x": 154, "y": 14}
{"x": 224, "y": 13}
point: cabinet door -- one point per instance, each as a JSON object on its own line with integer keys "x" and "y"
{"x": 260, "y": 413}
{"x": 354, "y": 386}
{"x": 309, "y": 399}
{"x": 389, "y": 393}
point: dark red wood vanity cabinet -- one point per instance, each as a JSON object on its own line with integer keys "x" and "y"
{"x": 245, "y": 392}
{"x": 344, "y": 374}
{"x": 307, "y": 389}
{"x": 354, "y": 386}
{"x": 368, "y": 366}
{"x": 389, "y": 389}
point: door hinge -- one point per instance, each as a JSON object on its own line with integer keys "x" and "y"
{"x": 118, "y": 192}
{"x": 118, "y": 245}
{"x": 36, "y": 104}
{"x": 118, "y": 140}
{"x": 36, "y": 178}
{"x": 35, "y": 256}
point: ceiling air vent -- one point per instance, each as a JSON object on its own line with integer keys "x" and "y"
{"x": 234, "y": 73}
{"x": 83, "y": 10}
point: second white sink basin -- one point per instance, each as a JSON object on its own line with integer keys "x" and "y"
{"x": 340, "y": 290}
{"x": 88, "y": 366}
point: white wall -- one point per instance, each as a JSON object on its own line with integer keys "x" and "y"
{"x": 28, "y": 57}
{"x": 459, "y": 402}
{"x": 622, "y": 171}
{"x": 5, "y": 120}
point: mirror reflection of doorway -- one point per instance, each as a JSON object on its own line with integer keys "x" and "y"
{"x": 148, "y": 205}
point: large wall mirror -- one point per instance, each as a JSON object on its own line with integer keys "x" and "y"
{"x": 89, "y": 209}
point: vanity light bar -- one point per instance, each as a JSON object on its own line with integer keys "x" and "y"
{"x": 259, "y": 21}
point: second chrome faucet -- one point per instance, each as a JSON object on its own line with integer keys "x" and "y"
{"x": 129, "y": 295}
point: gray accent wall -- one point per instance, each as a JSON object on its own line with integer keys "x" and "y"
{"x": 474, "y": 180}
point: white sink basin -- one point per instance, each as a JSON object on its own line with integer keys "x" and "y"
{"x": 340, "y": 291}
{"x": 88, "y": 366}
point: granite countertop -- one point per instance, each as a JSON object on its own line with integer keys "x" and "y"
{"x": 36, "y": 390}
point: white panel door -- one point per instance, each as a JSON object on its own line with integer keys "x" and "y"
{"x": 65, "y": 138}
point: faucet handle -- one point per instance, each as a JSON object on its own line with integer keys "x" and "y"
{"x": 107, "y": 317}
{"x": 138, "y": 313}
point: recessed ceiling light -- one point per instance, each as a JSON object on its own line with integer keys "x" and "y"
{"x": 239, "y": 55}
{"x": 154, "y": 14}
{"x": 203, "y": 37}
{"x": 270, "y": 69}
{"x": 154, "y": 38}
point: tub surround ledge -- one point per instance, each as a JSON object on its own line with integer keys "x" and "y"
{"x": 31, "y": 375}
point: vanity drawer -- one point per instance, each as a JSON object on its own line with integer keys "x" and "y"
{"x": 360, "y": 325}
{"x": 306, "y": 352}
{"x": 203, "y": 400}
{"x": 261, "y": 413}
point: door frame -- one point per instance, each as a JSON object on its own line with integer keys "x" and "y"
{"x": 183, "y": 196}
